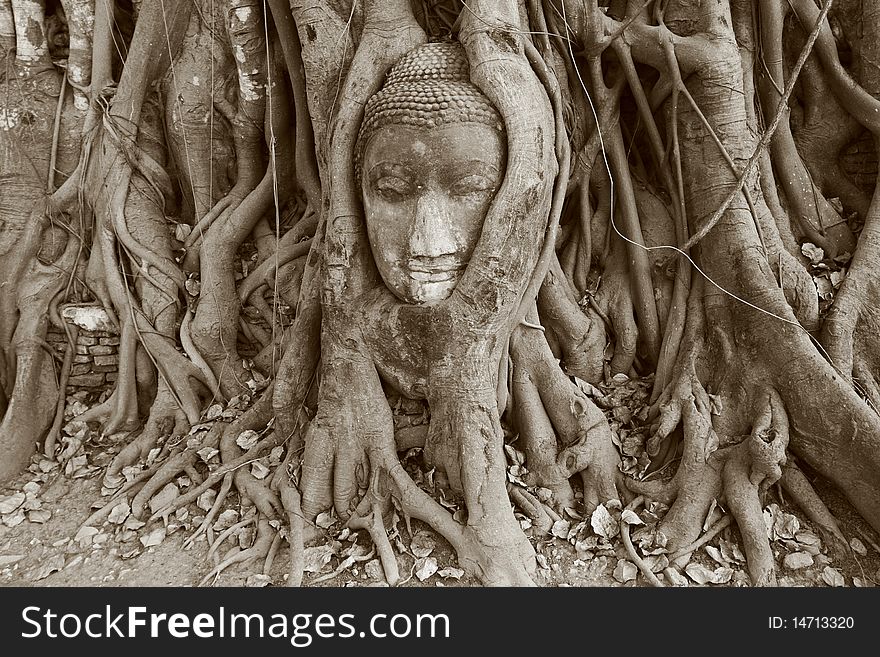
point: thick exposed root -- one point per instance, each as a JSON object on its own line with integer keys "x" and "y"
{"x": 351, "y": 461}
{"x": 165, "y": 420}
{"x": 259, "y": 550}
{"x": 580, "y": 337}
{"x": 290, "y": 499}
{"x": 549, "y": 405}
{"x": 802, "y": 493}
{"x": 722, "y": 469}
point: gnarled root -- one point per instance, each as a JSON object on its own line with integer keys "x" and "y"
{"x": 165, "y": 420}
{"x": 581, "y": 337}
{"x": 798, "y": 487}
{"x": 755, "y": 464}
{"x": 351, "y": 461}
{"x": 549, "y": 404}
{"x": 736, "y": 473}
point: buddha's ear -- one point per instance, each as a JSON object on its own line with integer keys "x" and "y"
{"x": 510, "y": 72}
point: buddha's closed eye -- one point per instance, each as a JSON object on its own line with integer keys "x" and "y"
{"x": 393, "y": 188}
{"x": 473, "y": 184}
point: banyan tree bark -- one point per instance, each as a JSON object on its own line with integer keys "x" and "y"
{"x": 665, "y": 164}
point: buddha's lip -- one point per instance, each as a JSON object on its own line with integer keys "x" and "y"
{"x": 441, "y": 269}
{"x": 435, "y": 265}
{"x": 435, "y": 276}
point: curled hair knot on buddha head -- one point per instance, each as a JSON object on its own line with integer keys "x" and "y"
{"x": 430, "y": 86}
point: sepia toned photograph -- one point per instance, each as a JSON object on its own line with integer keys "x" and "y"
{"x": 438, "y": 294}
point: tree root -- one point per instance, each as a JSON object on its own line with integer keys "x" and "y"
{"x": 342, "y": 567}
{"x": 226, "y": 533}
{"x": 739, "y": 474}
{"x": 165, "y": 421}
{"x": 132, "y": 486}
{"x": 170, "y": 469}
{"x": 631, "y": 551}
{"x": 259, "y": 550}
{"x": 205, "y": 526}
{"x": 255, "y": 452}
{"x": 291, "y": 500}
{"x": 804, "y": 495}
{"x": 273, "y": 552}
{"x": 710, "y": 533}
{"x": 539, "y": 514}
{"x": 369, "y": 516}
{"x": 580, "y": 337}
{"x": 545, "y": 395}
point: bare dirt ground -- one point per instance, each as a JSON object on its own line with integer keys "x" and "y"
{"x": 43, "y": 543}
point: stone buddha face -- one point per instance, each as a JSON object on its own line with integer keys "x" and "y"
{"x": 431, "y": 156}
{"x": 426, "y": 193}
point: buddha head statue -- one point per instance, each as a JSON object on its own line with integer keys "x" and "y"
{"x": 430, "y": 155}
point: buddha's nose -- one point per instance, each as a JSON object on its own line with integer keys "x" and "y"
{"x": 433, "y": 228}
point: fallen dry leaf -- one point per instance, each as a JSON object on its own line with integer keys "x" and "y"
{"x": 84, "y": 535}
{"x": 119, "y": 513}
{"x": 11, "y": 503}
{"x": 207, "y": 453}
{"x": 425, "y": 567}
{"x": 259, "y": 470}
{"x": 702, "y": 575}
{"x": 164, "y": 497}
{"x": 206, "y": 499}
{"x": 560, "y": 529}
{"x": 315, "y": 558}
{"x": 155, "y": 537}
{"x": 133, "y": 523}
{"x": 49, "y": 566}
{"x": 451, "y": 573}
{"x": 247, "y": 439}
{"x": 39, "y": 516}
{"x": 257, "y": 581}
{"x": 625, "y": 571}
{"x": 324, "y": 520}
{"x": 603, "y": 523}
{"x": 833, "y": 577}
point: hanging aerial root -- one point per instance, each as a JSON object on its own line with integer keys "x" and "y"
{"x": 538, "y": 440}
{"x": 55, "y": 430}
{"x": 289, "y": 248}
{"x": 581, "y": 341}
